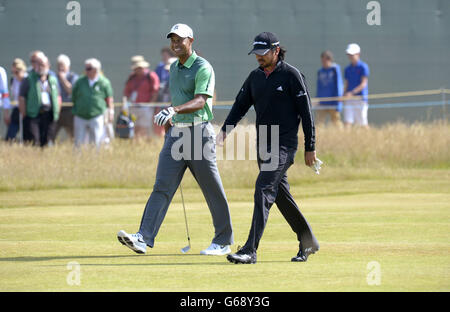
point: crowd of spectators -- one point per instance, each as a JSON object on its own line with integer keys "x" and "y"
{"x": 32, "y": 100}
{"x": 38, "y": 102}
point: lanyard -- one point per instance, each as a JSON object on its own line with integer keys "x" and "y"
{"x": 44, "y": 85}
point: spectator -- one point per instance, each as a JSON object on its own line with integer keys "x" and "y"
{"x": 162, "y": 70}
{"x": 92, "y": 95}
{"x": 34, "y": 59}
{"x": 136, "y": 59}
{"x": 142, "y": 86}
{"x": 329, "y": 84}
{"x": 34, "y": 56}
{"x": 356, "y": 84}
{"x": 4, "y": 95}
{"x": 66, "y": 80}
{"x": 12, "y": 119}
{"x": 40, "y": 102}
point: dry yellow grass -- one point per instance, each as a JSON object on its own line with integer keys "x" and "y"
{"x": 398, "y": 144}
{"x": 347, "y": 153}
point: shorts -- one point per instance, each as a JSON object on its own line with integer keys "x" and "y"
{"x": 144, "y": 116}
{"x": 355, "y": 111}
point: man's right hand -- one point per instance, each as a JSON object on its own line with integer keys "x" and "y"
{"x": 220, "y": 138}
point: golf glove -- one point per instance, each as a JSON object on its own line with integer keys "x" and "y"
{"x": 164, "y": 116}
{"x": 317, "y": 166}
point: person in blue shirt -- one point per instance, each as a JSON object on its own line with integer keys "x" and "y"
{"x": 162, "y": 70}
{"x": 356, "y": 84}
{"x": 329, "y": 84}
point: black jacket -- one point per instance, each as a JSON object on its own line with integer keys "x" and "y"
{"x": 280, "y": 99}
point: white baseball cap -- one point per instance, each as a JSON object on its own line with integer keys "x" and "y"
{"x": 353, "y": 48}
{"x": 182, "y": 30}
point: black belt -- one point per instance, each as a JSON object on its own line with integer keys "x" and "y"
{"x": 44, "y": 109}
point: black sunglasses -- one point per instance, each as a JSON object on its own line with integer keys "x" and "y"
{"x": 89, "y": 68}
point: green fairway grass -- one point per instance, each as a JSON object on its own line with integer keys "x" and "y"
{"x": 401, "y": 223}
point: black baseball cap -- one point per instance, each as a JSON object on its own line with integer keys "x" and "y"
{"x": 264, "y": 42}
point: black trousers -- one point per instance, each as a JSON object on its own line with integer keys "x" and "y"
{"x": 272, "y": 187}
{"x": 41, "y": 129}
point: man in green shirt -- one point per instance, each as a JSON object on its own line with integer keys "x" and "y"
{"x": 40, "y": 103}
{"x": 189, "y": 143}
{"x": 92, "y": 94}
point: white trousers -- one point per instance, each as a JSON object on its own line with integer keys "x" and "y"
{"x": 89, "y": 130}
{"x": 355, "y": 111}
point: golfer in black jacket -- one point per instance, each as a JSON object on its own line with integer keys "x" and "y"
{"x": 280, "y": 97}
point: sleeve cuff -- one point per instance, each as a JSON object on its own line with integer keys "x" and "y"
{"x": 310, "y": 148}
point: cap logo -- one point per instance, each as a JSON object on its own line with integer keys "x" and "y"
{"x": 175, "y": 27}
{"x": 259, "y": 42}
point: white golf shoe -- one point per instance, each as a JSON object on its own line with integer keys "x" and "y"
{"x": 216, "y": 250}
{"x": 133, "y": 241}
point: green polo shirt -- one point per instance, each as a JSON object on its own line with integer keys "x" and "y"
{"x": 195, "y": 76}
{"x": 90, "y": 102}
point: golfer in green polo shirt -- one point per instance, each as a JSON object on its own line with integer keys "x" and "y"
{"x": 189, "y": 143}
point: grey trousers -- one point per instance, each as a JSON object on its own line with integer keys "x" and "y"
{"x": 169, "y": 173}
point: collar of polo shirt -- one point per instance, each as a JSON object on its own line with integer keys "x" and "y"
{"x": 189, "y": 61}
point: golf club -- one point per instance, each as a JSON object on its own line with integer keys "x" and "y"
{"x": 188, "y": 247}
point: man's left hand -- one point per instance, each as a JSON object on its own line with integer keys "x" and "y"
{"x": 164, "y": 116}
{"x": 110, "y": 115}
{"x": 220, "y": 138}
{"x": 348, "y": 94}
{"x": 310, "y": 158}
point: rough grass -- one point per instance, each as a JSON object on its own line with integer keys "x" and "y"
{"x": 348, "y": 154}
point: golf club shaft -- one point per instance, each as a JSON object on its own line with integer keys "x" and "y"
{"x": 185, "y": 217}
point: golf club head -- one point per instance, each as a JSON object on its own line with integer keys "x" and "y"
{"x": 186, "y": 249}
